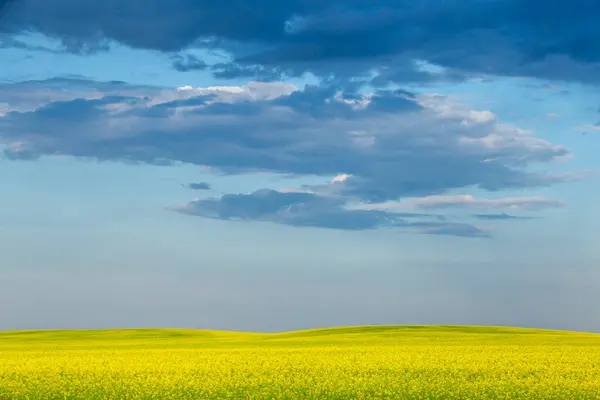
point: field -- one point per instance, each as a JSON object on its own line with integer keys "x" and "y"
{"x": 413, "y": 362}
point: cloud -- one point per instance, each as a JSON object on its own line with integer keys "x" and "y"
{"x": 199, "y": 186}
{"x": 470, "y": 202}
{"x": 310, "y": 210}
{"x": 31, "y": 95}
{"x": 13, "y": 42}
{"x": 500, "y": 217}
{"x": 340, "y": 178}
{"x": 340, "y": 38}
{"x": 187, "y": 63}
{"x": 3, "y": 5}
{"x": 589, "y": 128}
{"x": 385, "y": 146}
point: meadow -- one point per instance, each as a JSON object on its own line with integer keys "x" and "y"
{"x": 378, "y": 362}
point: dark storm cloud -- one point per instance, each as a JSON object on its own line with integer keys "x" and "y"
{"x": 555, "y": 40}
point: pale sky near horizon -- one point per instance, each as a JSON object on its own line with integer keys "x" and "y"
{"x": 276, "y": 166}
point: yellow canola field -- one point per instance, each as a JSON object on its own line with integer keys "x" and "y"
{"x": 345, "y": 363}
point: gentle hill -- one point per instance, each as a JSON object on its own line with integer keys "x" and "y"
{"x": 340, "y": 336}
{"x": 364, "y": 362}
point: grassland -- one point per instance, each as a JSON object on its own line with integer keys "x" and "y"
{"x": 416, "y": 362}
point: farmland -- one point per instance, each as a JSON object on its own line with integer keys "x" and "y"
{"x": 377, "y": 362}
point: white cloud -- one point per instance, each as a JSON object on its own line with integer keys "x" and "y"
{"x": 340, "y": 178}
{"x": 250, "y": 91}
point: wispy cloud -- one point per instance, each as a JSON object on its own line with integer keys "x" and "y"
{"x": 470, "y": 202}
{"x": 501, "y": 217}
{"x": 588, "y": 128}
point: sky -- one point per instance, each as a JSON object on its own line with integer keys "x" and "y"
{"x": 272, "y": 166}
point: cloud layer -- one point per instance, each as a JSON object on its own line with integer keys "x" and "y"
{"x": 337, "y": 38}
{"x": 369, "y": 149}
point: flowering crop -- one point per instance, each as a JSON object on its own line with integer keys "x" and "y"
{"x": 343, "y": 363}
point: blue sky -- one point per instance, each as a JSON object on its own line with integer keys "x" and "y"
{"x": 319, "y": 164}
